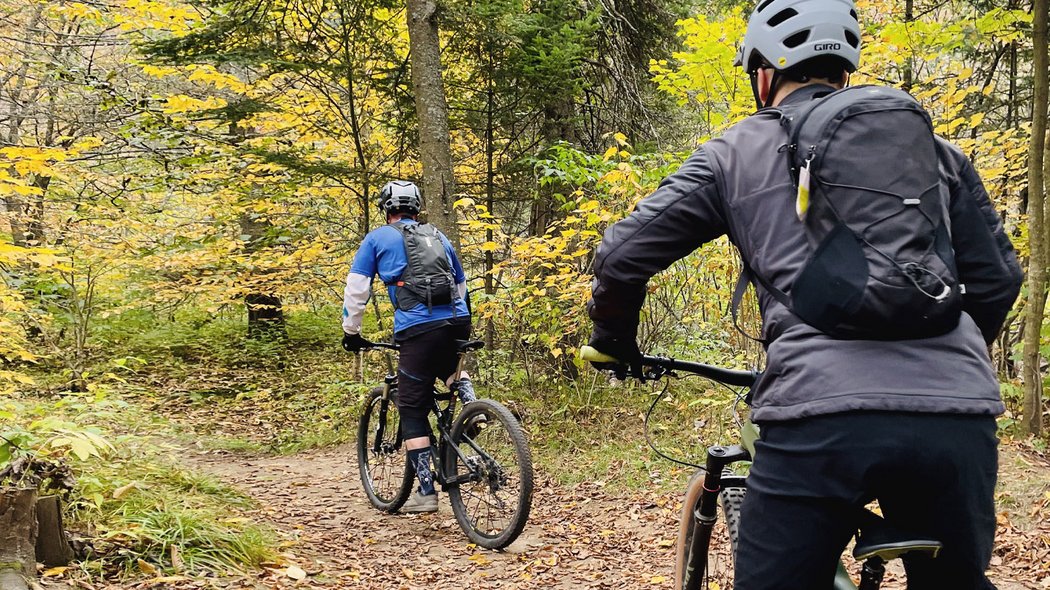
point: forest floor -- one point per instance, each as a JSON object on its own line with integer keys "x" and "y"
{"x": 578, "y": 536}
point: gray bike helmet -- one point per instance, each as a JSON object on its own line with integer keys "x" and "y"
{"x": 400, "y": 196}
{"x": 785, "y": 33}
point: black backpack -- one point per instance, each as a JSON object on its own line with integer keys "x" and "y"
{"x": 427, "y": 277}
{"x": 875, "y": 211}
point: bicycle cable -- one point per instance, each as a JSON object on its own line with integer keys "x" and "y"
{"x": 648, "y": 439}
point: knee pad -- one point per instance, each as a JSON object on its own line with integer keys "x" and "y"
{"x": 415, "y": 426}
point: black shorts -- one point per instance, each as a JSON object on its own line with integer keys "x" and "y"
{"x": 424, "y": 358}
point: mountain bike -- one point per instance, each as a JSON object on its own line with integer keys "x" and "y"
{"x": 481, "y": 459}
{"x": 716, "y": 484}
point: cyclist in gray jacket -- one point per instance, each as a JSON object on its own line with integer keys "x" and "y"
{"x": 910, "y": 423}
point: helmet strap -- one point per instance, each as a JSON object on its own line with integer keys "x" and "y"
{"x": 774, "y": 80}
{"x": 753, "y": 74}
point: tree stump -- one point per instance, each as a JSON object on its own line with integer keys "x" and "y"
{"x": 18, "y": 529}
{"x": 52, "y": 546}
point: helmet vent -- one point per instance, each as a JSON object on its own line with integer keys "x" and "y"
{"x": 797, "y": 39}
{"x": 763, "y": 6}
{"x": 852, "y": 39}
{"x": 853, "y": 13}
{"x": 782, "y": 16}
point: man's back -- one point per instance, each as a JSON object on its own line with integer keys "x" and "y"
{"x": 809, "y": 373}
{"x": 830, "y": 440}
{"x": 383, "y": 253}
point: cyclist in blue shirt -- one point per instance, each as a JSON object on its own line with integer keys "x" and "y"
{"x": 426, "y": 332}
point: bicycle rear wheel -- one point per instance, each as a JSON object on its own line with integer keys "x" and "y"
{"x": 384, "y": 471}
{"x": 493, "y": 466}
{"x": 732, "y": 498}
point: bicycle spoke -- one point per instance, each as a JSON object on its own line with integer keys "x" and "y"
{"x": 382, "y": 463}
{"x": 492, "y": 501}
{"x": 489, "y": 504}
{"x": 490, "y": 513}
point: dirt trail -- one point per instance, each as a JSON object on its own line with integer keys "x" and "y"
{"x": 575, "y": 539}
{"x": 578, "y": 538}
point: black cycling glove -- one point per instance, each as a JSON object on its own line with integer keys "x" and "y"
{"x": 354, "y": 342}
{"x": 622, "y": 347}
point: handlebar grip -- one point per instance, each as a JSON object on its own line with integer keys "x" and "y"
{"x": 591, "y": 354}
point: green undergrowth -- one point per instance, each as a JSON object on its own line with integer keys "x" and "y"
{"x": 606, "y": 441}
{"x": 137, "y": 505}
{"x": 224, "y": 390}
{"x": 140, "y": 504}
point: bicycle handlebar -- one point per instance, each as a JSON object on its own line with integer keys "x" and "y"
{"x": 722, "y": 375}
{"x": 375, "y": 345}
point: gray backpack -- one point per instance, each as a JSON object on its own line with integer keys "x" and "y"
{"x": 875, "y": 211}
{"x": 428, "y": 277}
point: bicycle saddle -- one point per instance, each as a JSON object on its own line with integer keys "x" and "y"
{"x": 469, "y": 345}
{"x": 878, "y": 538}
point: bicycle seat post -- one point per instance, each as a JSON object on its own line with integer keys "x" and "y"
{"x": 462, "y": 364}
{"x": 872, "y": 573}
{"x": 465, "y": 347}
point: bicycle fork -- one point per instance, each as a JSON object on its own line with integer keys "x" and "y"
{"x": 383, "y": 409}
{"x": 706, "y": 510}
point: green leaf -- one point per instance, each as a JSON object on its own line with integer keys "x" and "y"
{"x": 82, "y": 448}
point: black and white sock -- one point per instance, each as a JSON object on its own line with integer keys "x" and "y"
{"x": 420, "y": 458}
{"x": 466, "y": 390}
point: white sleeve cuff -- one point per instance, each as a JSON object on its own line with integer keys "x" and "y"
{"x": 355, "y": 297}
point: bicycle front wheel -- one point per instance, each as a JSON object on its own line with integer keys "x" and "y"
{"x": 489, "y": 459}
{"x": 384, "y": 471}
{"x": 693, "y": 564}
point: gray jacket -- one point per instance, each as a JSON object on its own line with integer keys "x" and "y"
{"x": 739, "y": 185}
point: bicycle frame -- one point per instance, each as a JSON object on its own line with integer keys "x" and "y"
{"x": 706, "y": 511}
{"x": 718, "y": 456}
{"x": 444, "y": 424}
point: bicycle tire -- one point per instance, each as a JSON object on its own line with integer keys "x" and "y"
{"x": 683, "y": 572}
{"x": 730, "y": 498}
{"x": 380, "y": 482}
{"x": 465, "y": 498}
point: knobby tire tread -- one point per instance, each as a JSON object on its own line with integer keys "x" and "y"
{"x": 365, "y": 432}
{"x": 730, "y": 499}
{"x": 524, "y": 458}
{"x": 686, "y": 527}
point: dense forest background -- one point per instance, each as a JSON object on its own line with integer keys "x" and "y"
{"x": 183, "y": 185}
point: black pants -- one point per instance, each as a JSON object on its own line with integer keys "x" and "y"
{"x": 422, "y": 359}
{"x": 933, "y": 474}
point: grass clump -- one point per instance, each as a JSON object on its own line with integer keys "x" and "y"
{"x": 137, "y": 503}
{"x": 141, "y": 506}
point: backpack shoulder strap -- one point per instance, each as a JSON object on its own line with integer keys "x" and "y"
{"x": 400, "y": 227}
{"x": 746, "y": 277}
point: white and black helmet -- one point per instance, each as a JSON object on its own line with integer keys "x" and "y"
{"x": 400, "y": 196}
{"x": 785, "y": 33}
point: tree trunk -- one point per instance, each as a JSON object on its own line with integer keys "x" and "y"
{"x": 1032, "y": 408}
{"x": 908, "y": 74}
{"x": 490, "y": 197}
{"x": 52, "y": 546}
{"x": 17, "y": 537}
{"x": 265, "y": 313}
{"x": 435, "y": 149}
{"x": 265, "y": 317}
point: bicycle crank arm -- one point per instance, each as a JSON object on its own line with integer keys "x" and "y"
{"x": 456, "y": 480}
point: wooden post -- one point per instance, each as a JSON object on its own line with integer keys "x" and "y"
{"x": 18, "y": 530}
{"x": 52, "y": 546}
